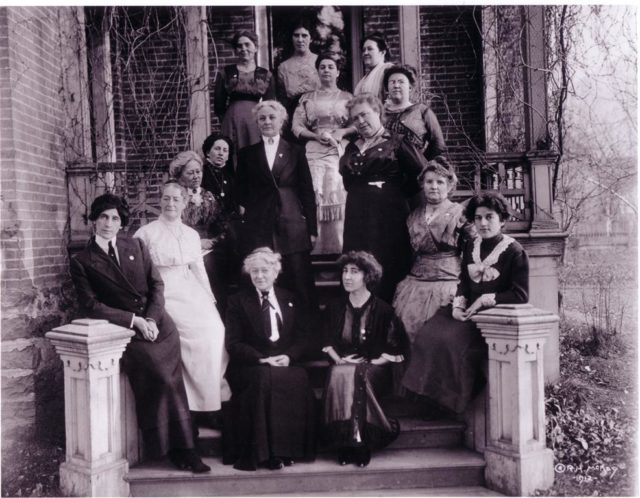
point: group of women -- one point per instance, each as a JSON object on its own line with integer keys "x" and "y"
{"x": 261, "y": 203}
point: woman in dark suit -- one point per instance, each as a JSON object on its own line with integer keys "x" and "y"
{"x": 116, "y": 280}
{"x": 274, "y": 186}
{"x": 271, "y": 417}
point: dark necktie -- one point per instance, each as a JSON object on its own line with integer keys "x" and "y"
{"x": 266, "y": 312}
{"x": 112, "y": 254}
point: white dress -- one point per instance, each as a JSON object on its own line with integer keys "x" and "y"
{"x": 175, "y": 250}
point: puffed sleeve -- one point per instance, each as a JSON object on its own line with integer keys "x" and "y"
{"x": 236, "y": 322}
{"x": 518, "y": 272}
{"x": 435, "y": 138}
{"x": 300, "y": 118}
{"x": 89, "y": 302}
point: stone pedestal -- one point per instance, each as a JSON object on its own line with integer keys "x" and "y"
{"x": 90, "y": 351}
{"x": 518, "y": 461}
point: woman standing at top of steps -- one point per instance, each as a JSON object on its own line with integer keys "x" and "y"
{"x": 363, "y": 337}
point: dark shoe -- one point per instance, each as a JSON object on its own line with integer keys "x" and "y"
{"x": 287, "y": 462}
{"x": 345, "y": 456}
{"x": 275, "y": 463}
{"x": 243, "y": 464}
{"x": 188, "y": 459}
{"x": 362, "y": 457}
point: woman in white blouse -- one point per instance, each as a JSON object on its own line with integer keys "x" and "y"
{"x": 175, "y": 250}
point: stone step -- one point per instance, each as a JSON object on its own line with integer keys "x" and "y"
{"x": 414, "y": 433}
{"x": 389, "y": 469}
{"x": 450, "y": 491}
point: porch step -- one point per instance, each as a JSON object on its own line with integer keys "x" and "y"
{"x": 414, "y": 433}
{"x": 389, "y": 469}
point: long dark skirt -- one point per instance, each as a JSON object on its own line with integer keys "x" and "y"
{"x": 155, "y": 374}
{"x": 272, "y": 415}
{"x": 352, "y": 416}
{"x": 446, "y": 361}
{"x": 376, "y": 221}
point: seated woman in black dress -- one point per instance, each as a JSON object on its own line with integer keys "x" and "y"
{"x": 271, "y": 420}
{"x": 448, "y": 352}
{"x": 363, "y": 336}
{"x": 116, "y": 280}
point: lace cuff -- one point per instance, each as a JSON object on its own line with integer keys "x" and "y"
{"x": 489, "y": 299}
{"x": 393, "y": 358}
{"x": 460, "y": 302}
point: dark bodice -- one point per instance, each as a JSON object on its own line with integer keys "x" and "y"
{"x": 392, "y": 160}
{"x": 419, "y": 126}
{"x": 507, "y": 277}
{"x": 379, "y": 330}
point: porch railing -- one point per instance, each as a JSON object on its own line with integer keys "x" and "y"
{"x": 140, "y": 184}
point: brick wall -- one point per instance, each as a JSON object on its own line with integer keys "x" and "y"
{"x": 34, "y": 218}
{"x": 224, "y": 22}
{"x": 151, "y": 95}
{"x": 451, "y": 59}
{"x": 386, "y": 20}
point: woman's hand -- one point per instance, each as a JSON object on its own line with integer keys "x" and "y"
{"x": 459, "y": 314}
{"x": 484, "y": 301}
{"x": 379, "y": 361}
{"x": 147, "y": 328}
{"x": 324, "y": 138}
{"x": 281, "y": 360}
{"x": 206, "y": 244}
{"x": 353, "y": 358}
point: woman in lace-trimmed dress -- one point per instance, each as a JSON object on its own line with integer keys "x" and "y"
{"x": 448, "y": 352}
{"x": 322, "y": 118}
{"x": 175, "y": 251}
{"x": 438, "y": 231}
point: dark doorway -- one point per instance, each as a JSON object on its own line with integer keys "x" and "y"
{"x": 331, "y": 31}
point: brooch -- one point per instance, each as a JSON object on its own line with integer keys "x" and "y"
{"x": 280, "y": 155}
{"x": 290, "y": 305}
{"x": 131, "y": 258}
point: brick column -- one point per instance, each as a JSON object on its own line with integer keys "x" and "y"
{"x": 518, "y": 461}
{"x": 90, "y": 351}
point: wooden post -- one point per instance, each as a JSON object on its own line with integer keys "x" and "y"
{"x": 410, "y": 40}
{"x": 90, "y": 351}
{"x": 535, "y": 88}
{"x": 518, "y": 461}
{"x": 198, "y": 74}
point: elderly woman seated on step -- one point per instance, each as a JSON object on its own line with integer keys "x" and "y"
{"x": 270, "y": 421}
{"x": 363, "y": 336}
